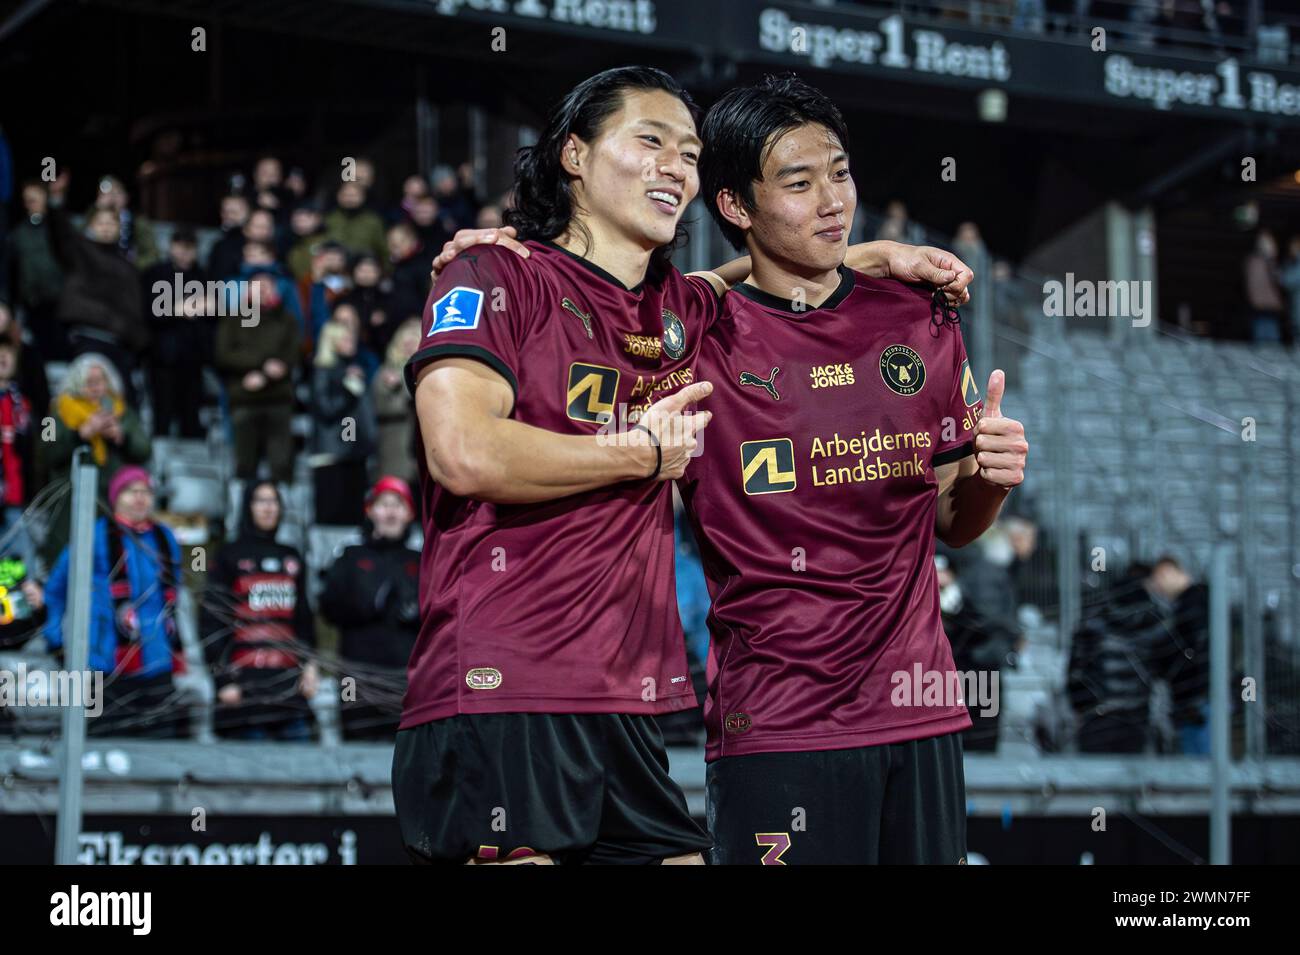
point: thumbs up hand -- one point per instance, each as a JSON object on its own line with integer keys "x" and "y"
{"x": 1000, "y": 445}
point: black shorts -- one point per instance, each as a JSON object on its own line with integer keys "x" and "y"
{"x": 900, "y": 803}
{"x": 582, "y": 788}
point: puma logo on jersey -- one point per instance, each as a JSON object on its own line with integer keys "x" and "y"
{"x": 768, "y": 384}
{"x": 568, "y": 305}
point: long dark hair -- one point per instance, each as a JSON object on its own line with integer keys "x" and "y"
{"x": 543, "y": 196}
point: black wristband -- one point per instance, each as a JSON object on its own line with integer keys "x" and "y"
{"x": 659, "y": 452}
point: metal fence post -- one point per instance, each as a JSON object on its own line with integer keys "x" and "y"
{"x": 1251, "y": 605}
{"x": 76, "y": 649}
{"x": 1220, "y": 744}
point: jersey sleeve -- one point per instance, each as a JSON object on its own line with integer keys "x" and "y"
{"x": 477, "y": 309}
{"x": 707, "y": 304}
{"x": 964, "y": 407}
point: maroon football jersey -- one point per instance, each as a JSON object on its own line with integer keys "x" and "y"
{"x": 814, "y": 504}
{"x": 566, "y": 606}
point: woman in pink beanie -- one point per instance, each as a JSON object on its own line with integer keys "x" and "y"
{"x": 133, "y": 640}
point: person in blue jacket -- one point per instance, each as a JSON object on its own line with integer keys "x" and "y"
{"x": 133, "y": 638}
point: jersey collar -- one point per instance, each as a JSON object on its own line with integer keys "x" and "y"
{"x": 593, "y": 268}
{"x": 768, "y": 300}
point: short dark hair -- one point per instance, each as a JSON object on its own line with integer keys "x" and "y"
{"x": 185, "y": 236}
{"x": 543, "y": 195}
{"x": 742, "y": 127}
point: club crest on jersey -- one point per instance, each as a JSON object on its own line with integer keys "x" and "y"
{"x": 483, "y": 678}
{"x": 458, "y": 310}
{"x": 738, "y": 723}
{"x": 591, "y": 392}
{"x": 674, "y": 335}
{"x": 970, "y": 392}
{"x": 768, "y": 384}
{"x": 902, "y": 369}
{"x": 767, "y": 467}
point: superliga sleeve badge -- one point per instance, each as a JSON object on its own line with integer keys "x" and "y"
{"x": 458, "y": 310}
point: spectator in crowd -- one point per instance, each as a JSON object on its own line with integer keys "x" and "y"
{"x": 330, "y": 281}
{"x": 394, "y": 409}
{"x": 982, "y": 646}
{"x": 1289, "y": 277}
{"x": 343, "y": 432}
{"x": 257, "y": 362}
{"x": 1281, "y": 669}
{"x": 898, "y": 227}
{"x": 427, "y": 220}
{"x": 30, "y": 376}
{"x": 413, "y": 187}
{"x": 258, "y": 629}
{"x": 1117, "y": 653}
{"x": 489, "y": 217}
{"x": 182, "y": 336}
{"x": 306, "y": 232}
{"x": 100, "y": 306}
{"x": 365, "y": 173}
{"x": 357, "y": 228}
{"x": 686, "y": 728}
{"x": 1033, "y": 570}
{"x": 269, "y": 190}
{"x": 369, "y": 296}
{"x": 1263, "y": 292}
{"x": 692, "y": 590}
{"x": 35, "y": 275}
{"x": 259, "y": 258}
{"x": 90, "y": 410}
{"x": 1186, "y": 662}
{"x": 253, "y": 245}
{"x": 409, "y": 264}
{"x": 985, "y": 571}
{"x": 135, "y": 236}
{"x": 454, "y": 190}
{"x": 133, "y": 637}
{"x": 371, "y": 593}
{"x": 260, "y": 228}
{"x": 968, "y": 243}
{"x": 228, "y": 251}
{"x": 22, "y": 601}
{"x": 345, "y": 313}
{"x": 15, "y": 456}
{"x": 295, "y": 182}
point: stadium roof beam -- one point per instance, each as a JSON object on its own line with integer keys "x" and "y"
{"x": 1236, "y": 143}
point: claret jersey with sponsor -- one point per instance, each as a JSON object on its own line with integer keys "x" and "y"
{"x": 565, "y": 606}
{"x": 814, "y": 504}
